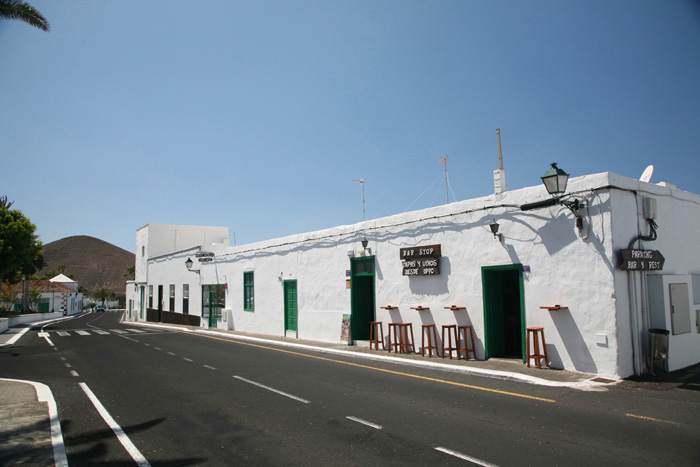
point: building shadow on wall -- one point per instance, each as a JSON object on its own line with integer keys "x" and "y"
{"x": 573, "y": 341}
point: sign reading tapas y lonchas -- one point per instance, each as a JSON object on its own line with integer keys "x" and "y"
{"x": 421, "y": 260}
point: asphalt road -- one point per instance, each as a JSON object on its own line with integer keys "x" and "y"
{"x": 181, "y": 399}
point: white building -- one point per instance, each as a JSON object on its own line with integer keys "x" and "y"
{"x": 417, "y": 264}
{"x": 57, "y": 294}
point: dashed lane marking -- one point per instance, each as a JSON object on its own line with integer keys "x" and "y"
{"x": 383, "y": 370}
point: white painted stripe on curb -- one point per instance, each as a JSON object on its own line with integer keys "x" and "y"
{"x": 44, "y": 394}
{"x": 465, "y": 457}
{"x": 365, "y": 422}
{"x": 121, "y": 436}
{"x": 277, "y": 391}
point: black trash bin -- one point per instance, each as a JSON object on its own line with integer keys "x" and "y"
{"x": 659, "y": 348}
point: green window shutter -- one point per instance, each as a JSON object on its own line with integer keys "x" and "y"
{"x": 248, "y": 292}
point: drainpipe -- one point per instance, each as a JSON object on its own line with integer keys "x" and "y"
{"x": 640, "y": 312}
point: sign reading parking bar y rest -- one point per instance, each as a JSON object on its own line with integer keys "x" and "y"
{"x": 642, "y": 260}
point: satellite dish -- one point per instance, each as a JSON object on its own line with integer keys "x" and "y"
{"x": 646, "y": 175}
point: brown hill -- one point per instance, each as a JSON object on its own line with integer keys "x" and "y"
{"x": 92, "y": 262}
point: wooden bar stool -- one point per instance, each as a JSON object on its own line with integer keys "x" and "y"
{"x": 431, "y": 332}
{"x": 405, "y": 345}
{"x": 394, "y": 330}
{"x": 537, "y": 354}
{"x": 376, "y": 338}
{"x": 449, "y": 347}
{"x": 462, "y": 332}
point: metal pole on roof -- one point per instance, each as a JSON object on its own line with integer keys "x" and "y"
{"x": 362, "y": 182}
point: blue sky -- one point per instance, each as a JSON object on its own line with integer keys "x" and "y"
{"x": 257, "y": 115}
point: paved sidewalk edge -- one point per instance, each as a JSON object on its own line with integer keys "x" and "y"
{"x": 28, "y": 326}
{"x": 44, "y": 394}
{"x": 588, "y": 384}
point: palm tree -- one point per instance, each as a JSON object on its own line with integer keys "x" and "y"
{"x": 102, "y": 294}
{"x": 130, "y": 271}
{"x": 13, "y": 9}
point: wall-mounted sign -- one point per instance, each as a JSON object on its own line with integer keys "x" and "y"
{"x": 421, "y": 260}
{"x": 347, "y": 273}
{"x": 205, "y": 256}
{"x": 418, "y": 252}
{"x": 642, "y": 260}
{"x": 348, "y": 284}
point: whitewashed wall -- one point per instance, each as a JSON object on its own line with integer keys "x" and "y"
{"x": 568, "y": 267}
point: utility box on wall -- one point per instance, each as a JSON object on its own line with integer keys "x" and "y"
{"x": 670, "y": 308}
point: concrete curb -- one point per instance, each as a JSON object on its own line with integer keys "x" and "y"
{"x": 586, "y": 385}
{"x": 44, "y": 394}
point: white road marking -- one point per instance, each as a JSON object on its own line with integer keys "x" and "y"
{"x": 68, "y": 365}
{"x": 465, "y": 457}
{"x": 365, "y": 422}
{"x": 210, "y": 367}
{"x": 170, "y": 353}
{"x": 63, "y": 359}
{"x": 82, "y": 333}
{"x": 121, "y": 436}
{"x": 62, "y": 333}
{"x": 118, "y": 331}
{"x": 100, "y": 331}
{"x": 187, "y": 359}
{"x": 273, "y": 390}
{"x": 135, "y": 330}
{"x": 147, "y": 344}
{"x": 74, "y": 373}
{"x": 45, "y": 335}
{"x": 157, "y": 348}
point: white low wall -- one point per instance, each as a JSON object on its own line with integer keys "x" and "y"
{"x": 7, "y": 323}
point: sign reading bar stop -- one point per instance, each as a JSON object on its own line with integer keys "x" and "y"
{"x": 642, "y": 260}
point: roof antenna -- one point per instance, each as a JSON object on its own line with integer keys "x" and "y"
{"x": 499, "y": 176}
{"x": 445, "y": 159}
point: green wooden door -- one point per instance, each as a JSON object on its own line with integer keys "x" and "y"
{"x": 504, "y": 311}
{"x": 290, "y": 305}
{"x": 213, "y": 301}
{"x": 362, "y": 297}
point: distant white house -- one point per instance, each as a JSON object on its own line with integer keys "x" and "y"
{"x": 588, "y": 269}
{"x": 57, "y": 294}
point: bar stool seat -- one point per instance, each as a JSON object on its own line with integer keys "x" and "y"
{"x": 466, "y": 349}
{"x": 537, "y": 333}
{"x": 449, "y": 345}
{"x": 376, "y": 335}
{"x": 430, "y": 331}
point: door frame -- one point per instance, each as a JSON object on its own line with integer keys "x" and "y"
{"x": 486, "y": 298}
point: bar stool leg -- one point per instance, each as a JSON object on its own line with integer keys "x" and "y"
{"x": 376, "y": 335}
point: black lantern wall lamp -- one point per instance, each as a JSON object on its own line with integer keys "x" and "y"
{"x": 494, "y": 230}
{"x": 189, "y": 263}
{"x": 555, "y": 180}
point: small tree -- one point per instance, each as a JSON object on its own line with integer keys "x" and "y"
{"x": 21, "y": 251}
{"x": 8, "y": 297}
{"x": 33, "y": 300}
